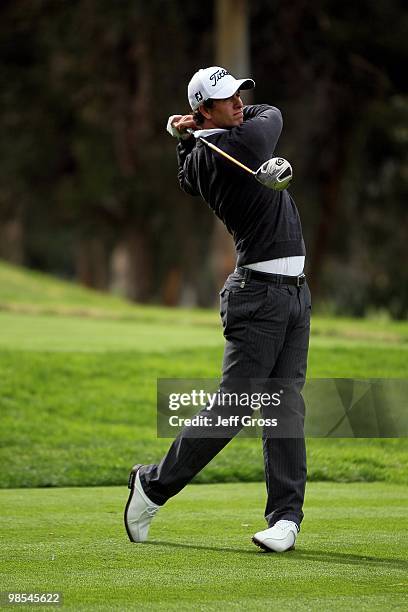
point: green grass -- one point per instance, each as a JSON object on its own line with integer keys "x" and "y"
{"x": 29, "y": 292}
{"x": 351, "y": 552}
{"x": 81, "y": 417}
{"x": 78, "y": 373}
{"x": 74, "y": 334}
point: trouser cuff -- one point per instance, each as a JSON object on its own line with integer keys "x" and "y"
{"x": 155, "y": 497}
{"x": 286, "y": 517}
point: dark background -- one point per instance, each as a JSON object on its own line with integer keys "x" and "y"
{"x": 88, "y": 186}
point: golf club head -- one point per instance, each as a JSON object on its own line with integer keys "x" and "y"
{"x": 275, "y": 173}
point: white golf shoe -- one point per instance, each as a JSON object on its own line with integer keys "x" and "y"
{"x": 139, "y": 510}
{"x": 279, "y": 538}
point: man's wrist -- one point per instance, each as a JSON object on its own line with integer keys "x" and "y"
{"x": 173, "y": 131}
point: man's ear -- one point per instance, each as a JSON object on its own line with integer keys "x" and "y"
{"x": 204, "y": 111}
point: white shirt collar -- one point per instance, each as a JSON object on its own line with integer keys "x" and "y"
{"x": 208, "y": 132}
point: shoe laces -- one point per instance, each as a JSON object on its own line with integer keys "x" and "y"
{"x": 151, "y": 510}
{"x": 285, "y": 524}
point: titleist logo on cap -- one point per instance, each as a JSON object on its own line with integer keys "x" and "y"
{"x": 217, "y": 75}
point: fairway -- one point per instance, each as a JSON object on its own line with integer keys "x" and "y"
{"x": 85, "y": 335}
{"x": 78, "y": 408}
{"x": 78, "y": 386}
{"x": 351, "y": 552}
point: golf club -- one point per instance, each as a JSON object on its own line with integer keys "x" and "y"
{"x": 275, "y": 173}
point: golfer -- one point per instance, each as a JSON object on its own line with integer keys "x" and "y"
{"x": 265, "y": 302}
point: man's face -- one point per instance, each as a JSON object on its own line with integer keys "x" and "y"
{"x": 226, "y": 113}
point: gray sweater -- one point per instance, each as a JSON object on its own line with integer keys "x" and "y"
{"x": 265, "y": 224}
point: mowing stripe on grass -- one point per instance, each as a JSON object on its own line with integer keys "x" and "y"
{"x": 351, "y": 551}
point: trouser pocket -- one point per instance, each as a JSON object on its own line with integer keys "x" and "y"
{"x": 224, "y": 294}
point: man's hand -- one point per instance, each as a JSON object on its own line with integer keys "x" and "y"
{"x": 182, "y": 123}
{"x": 178, "y": 125}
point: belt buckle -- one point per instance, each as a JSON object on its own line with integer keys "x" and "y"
{"x": 298, "y": 283}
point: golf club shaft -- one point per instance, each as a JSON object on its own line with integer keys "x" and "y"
{"x": 232, "y": 159}
{"x": 224, "y": 154}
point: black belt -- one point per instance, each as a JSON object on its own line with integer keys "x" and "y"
{"x": 278, "y": 279}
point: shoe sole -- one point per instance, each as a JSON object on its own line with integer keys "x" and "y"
{"x": 131, "y": 486}
{"x": 269, "y": 550}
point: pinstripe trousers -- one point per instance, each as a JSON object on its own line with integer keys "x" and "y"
{"x": 266, "y": 328}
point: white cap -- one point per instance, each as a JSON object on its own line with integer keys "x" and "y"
{"x": 214, "y": 82}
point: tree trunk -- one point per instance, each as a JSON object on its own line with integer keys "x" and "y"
{"x": 131, "y": 266}
{"x": 91, "y": 263}
{"x": 330, "y": 192}
{"x": 11, "y": 241}
{"x": 132, "y": 133}
{"x": 232, "y": 52}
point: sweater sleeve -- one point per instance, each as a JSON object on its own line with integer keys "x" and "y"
{"x": 254, "y": 110}
{"x": 260, "y": 132}
{"x": 184, "y": 149}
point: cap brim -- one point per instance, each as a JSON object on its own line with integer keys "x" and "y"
{"x": 231, "y": 88}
